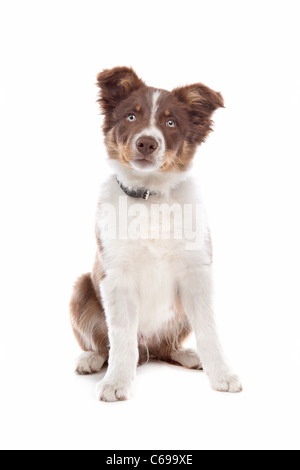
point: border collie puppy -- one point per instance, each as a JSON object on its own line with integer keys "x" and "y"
{"x": 151, "y": 284}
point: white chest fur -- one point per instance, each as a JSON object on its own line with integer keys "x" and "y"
{"x": 152, "y": 244}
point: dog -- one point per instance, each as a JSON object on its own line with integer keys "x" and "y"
{"x": 151, "y": 284}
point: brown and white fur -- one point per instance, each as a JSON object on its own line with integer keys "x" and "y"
{"x": 145, "y": 295}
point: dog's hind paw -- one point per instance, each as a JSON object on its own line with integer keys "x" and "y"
{"x": 89, "y": 363}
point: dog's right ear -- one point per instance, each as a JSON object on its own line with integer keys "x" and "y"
{"x": 115, "y": 85}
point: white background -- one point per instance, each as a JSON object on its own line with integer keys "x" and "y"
{"x": 52, "y": 162}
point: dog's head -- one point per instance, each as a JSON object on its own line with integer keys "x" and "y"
{"x": 149, "y": 129}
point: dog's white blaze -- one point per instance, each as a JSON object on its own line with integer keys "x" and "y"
{"x": 155, "y": 98}
{"x": 153, "y": 131}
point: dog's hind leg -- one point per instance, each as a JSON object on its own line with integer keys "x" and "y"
{"x": 89, "y": 363}
{"x": 89, "y": 325}
{"x": 168, "y": 346}
{"x": 187, "y": 358}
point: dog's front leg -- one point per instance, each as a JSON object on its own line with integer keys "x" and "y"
{"x": 120, "y": 304}
{"x": 196, "y": 296}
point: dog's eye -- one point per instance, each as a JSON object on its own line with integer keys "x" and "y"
{"x": 131, "y": 118}
{"x": 171, "y": 123}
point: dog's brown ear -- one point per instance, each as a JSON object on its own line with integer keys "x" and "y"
{"x": 201, "y": 102}
{"x": 115, "y": 85}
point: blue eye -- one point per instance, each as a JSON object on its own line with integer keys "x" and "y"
{"x": 171, "y": 123}
{"x": 131, "y": 118}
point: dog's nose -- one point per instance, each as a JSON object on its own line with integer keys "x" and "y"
{"x": 146, "y": 145}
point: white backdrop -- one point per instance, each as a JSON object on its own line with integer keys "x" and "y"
{"x": 52, "y": 162}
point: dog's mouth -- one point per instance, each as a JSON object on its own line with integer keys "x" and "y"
{"x": 146, "y": 163}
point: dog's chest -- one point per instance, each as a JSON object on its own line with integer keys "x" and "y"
{"x": 145, "y": 249}
{"x": 147, "y": 243}
{"x": 156, "y": 272}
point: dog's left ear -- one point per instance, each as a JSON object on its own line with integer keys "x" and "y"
{"x": 201, "y": 102}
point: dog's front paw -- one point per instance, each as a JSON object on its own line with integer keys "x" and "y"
{"x": 226, "y": 382}
{"x": 111, "y": 391}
